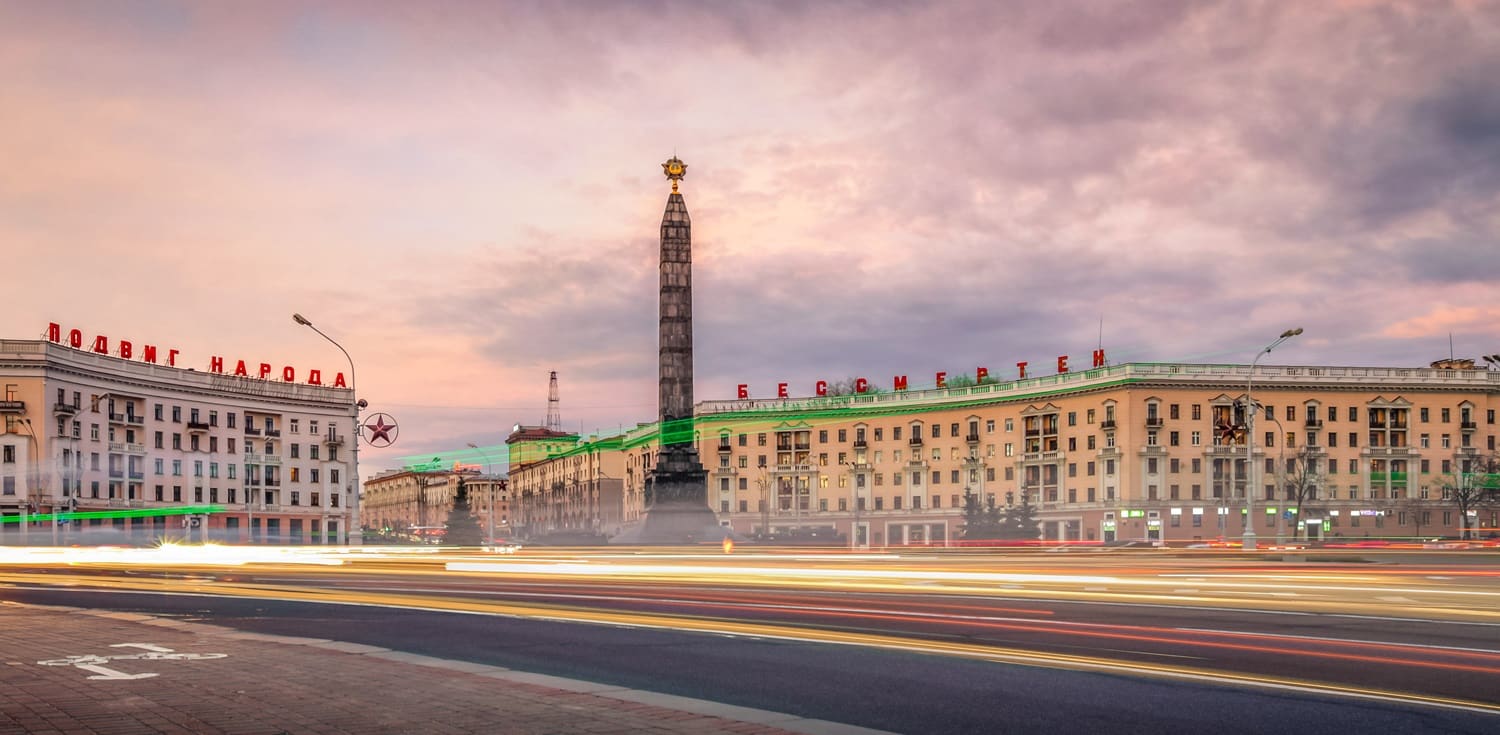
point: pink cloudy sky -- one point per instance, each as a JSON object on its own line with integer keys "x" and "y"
{"x": 467, "y": 195}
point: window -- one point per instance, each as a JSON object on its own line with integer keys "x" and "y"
{"x": 1010, "y": 425}
{"x": 879, "y": 432}
{"x": 177, "y": 468}
{"x": 296, "y": 498}
{"x": 230, "y": 419}
{"x": 1291, "y": 413}
{"x": 1173, "y": 411}
{"x": 1173, "y": 439}
{"x": 989, "y": 428}
{"x": 823, "y": 436}
{"x": 1196, "y": 438}
{"x": 312, "y": 475}
{"x": 1197, "y": 412}
{"x": 1072, "y": 418}
{"x": 1447, "y": 416}
{"x": 158, "y": 412}
{"x": 937, "y": 430}
{"x": 294, "y": 428}
{"x": 953, "y": 429}
{"x": 1354, "y": 413}
{"x": 177, "y": 414}
{"x": 296, "y": 451}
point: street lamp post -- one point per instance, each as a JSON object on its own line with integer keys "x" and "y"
{"x": 490, "y": 483}
{"x": 32, "y": 480}
{"x": 353, "y": 533}
{"x": 1248, "y": 542}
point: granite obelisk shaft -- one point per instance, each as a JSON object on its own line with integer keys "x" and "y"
{"x": 676, "y": 504}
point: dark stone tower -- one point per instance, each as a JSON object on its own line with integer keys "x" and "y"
{"x": 677, "y": 489}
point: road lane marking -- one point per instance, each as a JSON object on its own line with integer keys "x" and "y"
{"x": 95, "y": 663}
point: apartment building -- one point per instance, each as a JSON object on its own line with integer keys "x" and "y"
{"x": 1134, "y": 451}
{"x": 109, "y": 436}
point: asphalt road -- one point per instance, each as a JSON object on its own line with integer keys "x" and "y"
{"x": 769, "y": 645}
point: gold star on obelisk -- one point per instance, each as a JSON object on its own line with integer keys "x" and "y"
{"x": 675, "y": 169}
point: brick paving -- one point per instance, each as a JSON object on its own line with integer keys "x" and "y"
{"x": 276, "y": 685}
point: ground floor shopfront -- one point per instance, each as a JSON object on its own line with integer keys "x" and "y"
{"x": 1175, "y": 524}
{"x": 237, "y": 527}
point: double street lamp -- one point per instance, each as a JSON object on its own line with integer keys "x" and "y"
{"x": 352, "y": 530}
{"x": 1248, "y": 542}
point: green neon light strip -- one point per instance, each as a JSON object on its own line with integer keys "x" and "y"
{"x": 136, "y": 513}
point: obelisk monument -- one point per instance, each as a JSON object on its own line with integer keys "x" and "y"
{"x": 677, "y": 489}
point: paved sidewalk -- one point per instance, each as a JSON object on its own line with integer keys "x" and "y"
{"x": 66, "y": 670}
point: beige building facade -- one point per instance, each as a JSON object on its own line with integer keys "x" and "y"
{"x": 1138, "y": 451}
{"x": 408, "y": 505}
{"x": 567, "y": 486}
{"x": 129, "y": 443}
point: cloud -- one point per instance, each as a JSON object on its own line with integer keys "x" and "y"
{"x": 466, "y": 196}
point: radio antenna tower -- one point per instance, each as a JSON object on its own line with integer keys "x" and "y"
{"x": 554, "y": 415}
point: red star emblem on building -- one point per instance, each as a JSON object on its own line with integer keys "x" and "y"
{"x": 379, "y": 432}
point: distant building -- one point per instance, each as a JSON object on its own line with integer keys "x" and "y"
{"x": 1123, "y": 452}
{"x": 413, "y": 505}
{"x": 562, "y": 485}
{"x": 98, "y": 433}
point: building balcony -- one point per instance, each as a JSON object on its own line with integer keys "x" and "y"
{"x": 972, "y": 438}
{"x": 253, "y": 458}
{"x": 197, "y": 426}
{"x": 65, "y": 409}
{"x": 273, "y": 432}
{"x": 1155, "y": 422}
{"x": 725, "y": 447}
{"x": 116, "y": 473}
{"x": 273, "y": 482}
{"x": 137, "y": 476}
{"x": 333, "y": 438}
{"x": 12, "y": 407}
{"x": 1313, "y": 423}
{"x": 861, "y": 444}
{"x": 1108, "y": 424}
{"x": 1468, "y": 426}
{"x": 251, "y": 430}
{"x": 135, "y": 420}
{"x": 915, "y": 441}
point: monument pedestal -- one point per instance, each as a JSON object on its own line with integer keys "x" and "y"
{"x": 672, "y": 524}
{"x": 679, "y": 512}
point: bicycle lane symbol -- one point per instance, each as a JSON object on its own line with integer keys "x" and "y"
{"x": 152, "y": 652}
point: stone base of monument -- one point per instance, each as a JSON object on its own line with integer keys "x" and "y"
{"x": 675, "y": 524}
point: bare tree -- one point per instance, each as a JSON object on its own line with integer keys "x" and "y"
{"x": 1302, "y": 475}
{"x": 1474, "y": 483}
{"x": 845, "y": 387}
